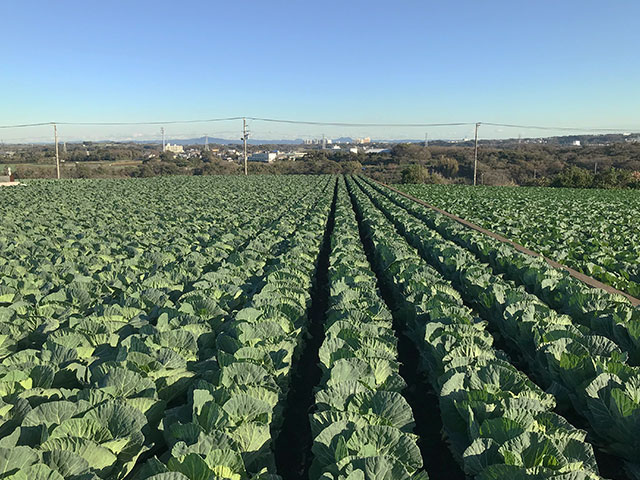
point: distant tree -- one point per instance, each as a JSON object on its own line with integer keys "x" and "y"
{"x": 152, "y": 169}
{"x": 410, "y": 153}
{"x": 573, "y": 177}
{"x": 351, "y": 167}
{"x": 613, "y": 178}
{"x": 167, "y": 157}
{"x": 447, "y": 166}
{"x": 82, "y": 171}
{"x": 414, "y": 174}
{"x": 315, "y": 156}
{"x": 217, "y": 167}
{"x": 326, "y": 166}
{"x": 207, "y": 156}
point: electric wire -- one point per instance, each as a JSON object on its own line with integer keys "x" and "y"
{"x": 337, "y": 124}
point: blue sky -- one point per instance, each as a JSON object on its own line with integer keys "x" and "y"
{"x": 565, "y": 63}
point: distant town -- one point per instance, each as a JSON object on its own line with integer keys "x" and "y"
{"x": 612, "y": 159}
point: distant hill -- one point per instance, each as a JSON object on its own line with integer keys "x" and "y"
{"x": 566, "y": 140}
{"x": 251, "y": 141}
{"x": 222, "y": 141}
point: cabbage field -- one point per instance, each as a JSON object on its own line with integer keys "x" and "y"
{"x": 594, "y": 231}
{"x": 297, "y": 327}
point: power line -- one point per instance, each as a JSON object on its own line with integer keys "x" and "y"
{"x": 106, "y": 124}
{"x": 349, "y": 124}
{"x": 151, "y": 123}
{"x": 259, "y": 119}
{"x": 337, "y": 124}
{"x": 538, "y": 127}
{"x": 27, "y": 125}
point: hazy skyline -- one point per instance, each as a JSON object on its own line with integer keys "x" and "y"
{"x": 543, "y": 63}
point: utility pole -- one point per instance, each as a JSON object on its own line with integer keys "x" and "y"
{"x": 245, "y": 136}
{"x": 324, "y": 142}
{"x": 162, "y": 131}
{"x": 206, "y": 142}
{"x": 426, "y": 139}
{"x": 475, "y": 157}
{"x": 595, "y": 168}
{"x": 55, "y": 136}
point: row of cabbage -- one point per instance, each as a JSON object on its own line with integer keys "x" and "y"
{"x": 88, "y": 404}
{"x": 498, "y": 423}
{"x": 594, "y": 231}
{"x": 362, "y": 425}
{"x": 607, "y": 314}
{"x": 582, "y": 369}
{"x": 70, "y": 248}
{"x": 227, "y": 427}
{"x": 27, "y": 319}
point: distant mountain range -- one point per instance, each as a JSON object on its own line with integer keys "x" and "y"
{"x": 221, "y": 141}
{"x": 251, "y": 141}
{"x": 560, "y": 141}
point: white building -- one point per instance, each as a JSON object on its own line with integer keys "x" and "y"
{"x": 173, "y": 148}
{"x": 292, "y": 156}
{"x": 377, "y": 150}
{"x": 266, "y": 157}
{"x": 576, "y": 143}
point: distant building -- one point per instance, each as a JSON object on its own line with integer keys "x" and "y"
{"x": 353, "y": 150}
{"x": 317, "y": 141}
{"x": 266, "y": 157}
{"x": 173, "y": 148}
{"x": 576, "y": 143}
{"x": 292, "y": 156}
{"x": 363, "y": 140}
{"x": 377, "y": 150}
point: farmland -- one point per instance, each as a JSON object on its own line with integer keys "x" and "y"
{"x": 593, "y": 231}
{"x": 286, "y": 327}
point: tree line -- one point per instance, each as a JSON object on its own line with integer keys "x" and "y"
{"x": 603, "y": 166}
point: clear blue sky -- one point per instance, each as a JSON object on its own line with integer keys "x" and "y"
{"x": 536, "y": 62}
